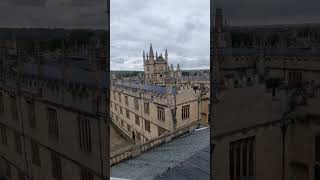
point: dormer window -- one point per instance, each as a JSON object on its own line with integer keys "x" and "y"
{"x": 236, "y": 82}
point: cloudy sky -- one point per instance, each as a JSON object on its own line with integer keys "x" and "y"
{"x": 181, "y": 26}
{"x": 54, "y": 13}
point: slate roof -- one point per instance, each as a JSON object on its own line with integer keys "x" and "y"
{"x": 146, "y": 87}
{"x": 194, "y": 168}
{"x": 156, "y": 162}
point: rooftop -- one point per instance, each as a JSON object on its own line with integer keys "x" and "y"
{"x": 156, "y": 162}
{"x": 146, "y": 87}
{"x": 75, "y": 72}
{"x": 194, "y": 168}
{"x": 273, "y": 51}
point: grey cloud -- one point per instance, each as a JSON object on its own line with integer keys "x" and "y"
{"x": 181, "y": 26}
{"x": 118, "y": 60}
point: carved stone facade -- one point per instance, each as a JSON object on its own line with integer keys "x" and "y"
{"x": 53, "y": 119}
{"x": 265, "y": 112}
{"x": 144, "y": 111}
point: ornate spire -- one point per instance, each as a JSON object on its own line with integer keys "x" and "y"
{"x": 156, "y": 54}
{"x": 151, "y": 52}
{"x": 166, "y": 55}
{"x": 147, "y": 56}
{"x": 144, "y": 56}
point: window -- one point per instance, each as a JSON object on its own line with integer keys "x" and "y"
{"x": 161, "y": 114}
{"x": 138, "y": 136}
{"x": 146, "y": 108}
{"x": 53, "y": 122}
{"x": 137, "y": 120}
{"x": 236, "y": 83}
{"x": 120, "y": 110}
{"x": 147, "y": 125}
{"x": 14, "y": 110}
{"x": 128, "y": 127}
{"x": 8, "y": 169}
{"x": 136, "y": 104}
{"x": 185, "y": 112}
{"x": 31, "y": 114}
{"x": 17, "y": 141}
{"x": 84, "y": 134}
{"x": 126, "y": 100}
{"x": 119, "y": 95}
{"x": 231, "y": 157}
{"x": 122, "y": 123}
{"x": 35, "y": 153}
{"x": 56, "y": 166}
{"x": 114, "y": 95}
{"x": 1, "y": 104}
{"x": 21, "y": 175}
{"x": 85, "y": 174}
{"x": 127, "y": 113}
{"x": 241, "y": 156}
{"x": 161, "y": 131}
{"x": 295, "y": 76}
{"x": 4, "y": 138}
{"x": 116, "y": 107}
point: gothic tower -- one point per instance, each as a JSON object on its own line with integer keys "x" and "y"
{"x": 219, "y": 44}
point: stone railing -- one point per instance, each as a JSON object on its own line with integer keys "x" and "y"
{"x": 138, "y": 149}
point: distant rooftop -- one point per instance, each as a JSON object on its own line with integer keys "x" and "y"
{"x": 273, "y": 51}
{"x": 202, "y": 78}
{"x": 156, "y": 162}
{"x": 77, "y": 72}
{"x": 146, "y": 87}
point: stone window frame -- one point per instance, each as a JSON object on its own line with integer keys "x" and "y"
{"x": 185, "y": 112}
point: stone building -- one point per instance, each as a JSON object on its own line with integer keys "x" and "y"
{"x": 265, "y": 110}
{"x": 156, "y": 68}
{"x": 146, "y": 110}
{"x": 53, "y": 117}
